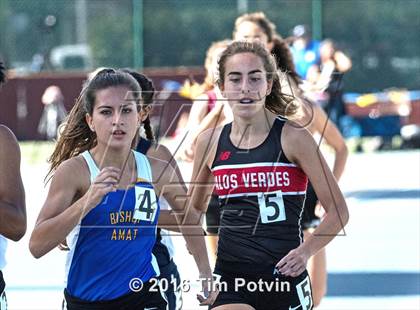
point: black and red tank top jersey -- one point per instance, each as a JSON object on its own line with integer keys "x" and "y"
{"x": 261, "y": 195}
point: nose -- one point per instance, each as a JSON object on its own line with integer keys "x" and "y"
{"x": 245, "y": 86}
{"x": 117, "y": 119}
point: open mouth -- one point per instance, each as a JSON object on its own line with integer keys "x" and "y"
{"x": 118, "y": 132}
{"x": 246, "y": 101}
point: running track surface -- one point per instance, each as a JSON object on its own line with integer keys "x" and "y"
{"x": 373, "y": 264}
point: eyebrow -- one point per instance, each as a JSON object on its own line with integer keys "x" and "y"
{"x": 250, "y": 72}
{"x": 110, "y": 107}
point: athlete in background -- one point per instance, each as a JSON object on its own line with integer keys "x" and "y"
{"x": 12, "y": 195}
{"x": 209, "y": 110}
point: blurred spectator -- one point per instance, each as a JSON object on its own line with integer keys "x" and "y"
{"x": 181, "y": 127}
{"x": 37, "y": 63}
{"x": 328, "y": 76}
{"x": 305, "y": 51}
{"x": 53, "y": 114}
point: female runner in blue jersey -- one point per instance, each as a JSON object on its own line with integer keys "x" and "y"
{"x": 102, "y": 201}
{"x": 260, "y": 164}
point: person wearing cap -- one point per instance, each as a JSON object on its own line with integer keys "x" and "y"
{"x": 304, "y": 49}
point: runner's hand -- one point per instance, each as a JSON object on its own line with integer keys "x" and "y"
{"x": 63, "y": 246}
{"x": 209, "y": 295}
{"x": 106, "y": 181}
{"x": 294, "y": 263}
{"x": 209, "y": 300}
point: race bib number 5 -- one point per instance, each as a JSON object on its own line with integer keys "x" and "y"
{"x": 271, "y": 207}
{"x": 305, "y": 294}
{"x": 146, "y": 204}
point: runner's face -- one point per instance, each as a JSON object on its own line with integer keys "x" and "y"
{"x": 114, "y": 119}
{"x": 249, "y": 31}
{"x": 245, "y": 84}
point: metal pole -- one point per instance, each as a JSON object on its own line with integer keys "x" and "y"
{"x": 138, "y": 34}
{"x": 317, "y": 19}
{"x": 81, "y": 21}
{"x": 242, "y": 6}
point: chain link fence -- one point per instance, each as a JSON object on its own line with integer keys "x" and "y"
{"x": 55, "y": 35}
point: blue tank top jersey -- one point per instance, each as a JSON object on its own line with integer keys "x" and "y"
{"x": 306, "y": 57}
{"x": 113, "y": 243}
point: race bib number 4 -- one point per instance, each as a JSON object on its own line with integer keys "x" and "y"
{"x": 146, "y": 204}
{"x": 271, "y": 207}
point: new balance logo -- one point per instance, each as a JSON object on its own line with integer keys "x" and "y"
{"x": 224, "y": 155}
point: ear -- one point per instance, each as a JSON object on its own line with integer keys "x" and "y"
{"x": 144, "y": 113}
{"x": 221, "y": 89}
{"x": 269, "y": 87}
{"x": 270, "y": 46}
{"x": 89, "y": 121}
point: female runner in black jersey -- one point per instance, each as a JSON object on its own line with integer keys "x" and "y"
{"x": 260, "y": 165}
{"x": 257, "y": 27}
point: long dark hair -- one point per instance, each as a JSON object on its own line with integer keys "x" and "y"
{"x": 75, "y": 135}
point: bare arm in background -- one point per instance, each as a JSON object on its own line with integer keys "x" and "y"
{"x": 343, "y": 62}
{"x": 198, "y": 111}
{"x": 12, "y": 193}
